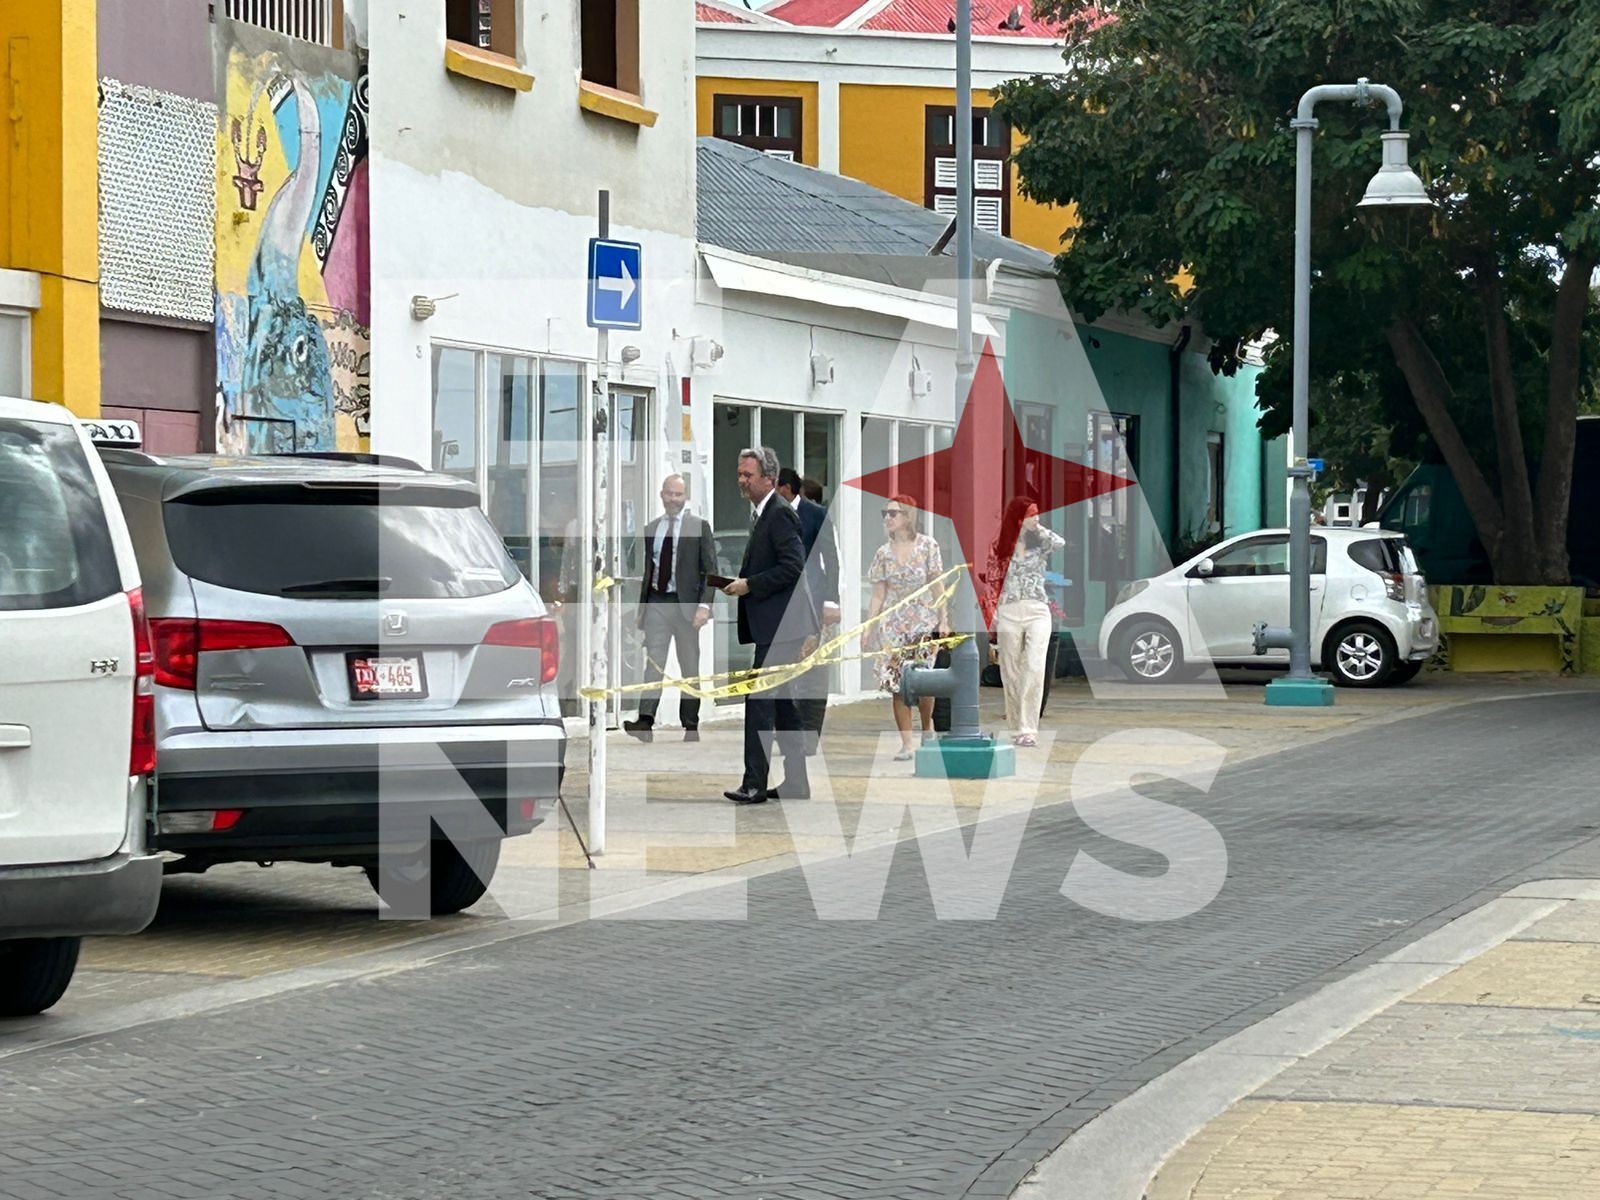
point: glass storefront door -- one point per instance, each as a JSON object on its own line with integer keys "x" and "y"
{"x": 490, "y": 410}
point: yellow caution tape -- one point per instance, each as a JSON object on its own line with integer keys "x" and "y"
{"x": 761, "y": 679}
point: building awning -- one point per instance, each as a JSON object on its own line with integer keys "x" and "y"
{"x": 735, "y": 272}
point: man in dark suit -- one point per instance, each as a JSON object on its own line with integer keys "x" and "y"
{"x": 822, "y": 577}
{"x": 680, "y": 555}
{"x": 776, "y": 615}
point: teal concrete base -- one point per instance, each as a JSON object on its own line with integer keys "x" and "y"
{"x": 968, "y": 758}
{"x": 1300, "y": 693}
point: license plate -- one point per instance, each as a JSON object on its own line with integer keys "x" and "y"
{"x": 386, "y": 677}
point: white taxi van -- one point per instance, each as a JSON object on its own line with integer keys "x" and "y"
{"x": 77, "y": 721}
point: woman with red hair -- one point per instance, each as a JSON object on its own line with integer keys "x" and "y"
{"x": 907, "y": 561}
{"x": 1020, "y": 612}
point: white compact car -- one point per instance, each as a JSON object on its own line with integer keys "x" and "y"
{"x": 77, "y": 717}
{"x": 1371, "y": 621}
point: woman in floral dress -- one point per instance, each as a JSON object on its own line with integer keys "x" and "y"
{"x": 909, "y": 560}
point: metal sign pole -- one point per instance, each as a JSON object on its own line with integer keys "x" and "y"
{"x": 599, "y": 639}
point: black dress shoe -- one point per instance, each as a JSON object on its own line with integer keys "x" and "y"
{"x": 691, "y": 735}
{"x": 784, "y": 792}
{"x": 749, "y": 796}
{"x": 641, "y": 729}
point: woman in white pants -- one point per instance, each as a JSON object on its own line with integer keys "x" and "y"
{"x": 1022, "y": 619}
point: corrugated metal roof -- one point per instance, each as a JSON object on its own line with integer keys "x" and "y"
{"x": 760, "y": 205}
{"x": 828, "y": 14}
{"x": 913, "y": 16}
{"x": 721, "y": 16}
{"x": 934, "y": 16}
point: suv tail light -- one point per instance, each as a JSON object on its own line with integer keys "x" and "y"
{"x": 531, "y": 633}
{"x": 142, "y": 748}
{"x": 1394, "y": 585}
{"x": 179, "y": 642}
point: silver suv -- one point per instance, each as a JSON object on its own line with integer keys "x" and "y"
{"x": 349, "y": 669}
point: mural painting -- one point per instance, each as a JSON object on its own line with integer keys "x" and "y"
{"x": 293, "y": 277}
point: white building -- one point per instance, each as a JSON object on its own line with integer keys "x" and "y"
{"x": 492, "y": 133}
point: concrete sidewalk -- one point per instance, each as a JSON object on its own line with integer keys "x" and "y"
{"x": 1482, "y": 1083}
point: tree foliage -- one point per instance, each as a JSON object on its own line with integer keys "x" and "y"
{"x": 1463, "y": 328}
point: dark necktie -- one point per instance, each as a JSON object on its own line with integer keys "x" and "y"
{"x": 664, "y": 567}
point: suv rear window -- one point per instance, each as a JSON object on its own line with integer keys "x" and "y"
{"x": 1378, "y": 554}
{"x": 55, "y": 548}
{"x": 411, "y": 543}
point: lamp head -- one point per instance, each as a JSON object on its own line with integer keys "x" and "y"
{"x": 1395, "y": 185}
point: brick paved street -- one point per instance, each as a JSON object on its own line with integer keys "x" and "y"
{"x": 241, "y": 922}
{"x": 783, "y": 1056}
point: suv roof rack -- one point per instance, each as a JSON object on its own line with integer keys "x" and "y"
{"x": 355, "y": 456}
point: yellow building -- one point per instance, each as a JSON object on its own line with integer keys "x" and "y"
{"x": 862, "y": 88}
{"x": 49, "y": 249}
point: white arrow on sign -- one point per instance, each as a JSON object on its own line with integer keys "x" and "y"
{"x": 623, "y": 287}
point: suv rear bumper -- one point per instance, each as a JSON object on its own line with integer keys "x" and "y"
{"x": 316, "y": 795}
{"x": 118, "y": 894}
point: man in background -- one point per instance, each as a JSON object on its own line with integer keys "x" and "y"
{"x": 674, "y": 603}
{"x": 822, "y": 577}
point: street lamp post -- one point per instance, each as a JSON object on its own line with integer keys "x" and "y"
{"x": 965, "y": 752}
{"x": 1394, "y": 186}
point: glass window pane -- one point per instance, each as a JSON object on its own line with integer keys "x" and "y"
{"x": 560, "y": 564}
{"x": 417, "y": 543}
{"x": 728, "y": 120}
{"x": 509, "y": 386}
{"x": 55, "y": 547}
{"x": 822, "y": 452}
{"x": 913, "y": 478}
{"x": 455, "y": 411}
{"x": 560, "y": 390}
{"x": 1264, "y": 556}
{"x": 786, "y": 121}
{"x": 777, "y": 431}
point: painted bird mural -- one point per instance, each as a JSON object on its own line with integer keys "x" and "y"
{"x": 286, "y": 372}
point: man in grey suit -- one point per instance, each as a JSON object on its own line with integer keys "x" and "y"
{"x": 674, "y": 603}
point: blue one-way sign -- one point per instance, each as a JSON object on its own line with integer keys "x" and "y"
{"x": 615, "y": 299}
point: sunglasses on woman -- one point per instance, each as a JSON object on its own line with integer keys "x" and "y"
{"x": 892, "y": 512}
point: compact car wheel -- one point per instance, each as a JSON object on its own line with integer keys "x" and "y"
{"x": 1362, "y": 655}
{"x": 1150, "y": 653}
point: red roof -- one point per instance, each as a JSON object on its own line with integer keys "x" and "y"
{"x": 912, "y": 16}
{"x": 719, "y": 15}
{"x": 826, "y": 13}
{"x": 933, "y": 16}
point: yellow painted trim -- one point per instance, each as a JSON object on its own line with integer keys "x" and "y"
{"x": 619, "y": 106}
{"x": 486, "y": 67}
{"x": 66, "y": 344}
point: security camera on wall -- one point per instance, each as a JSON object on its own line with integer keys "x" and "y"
{"x": 821, "y": 370}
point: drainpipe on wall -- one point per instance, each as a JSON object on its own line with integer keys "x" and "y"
{"x": 1175, "y": 400}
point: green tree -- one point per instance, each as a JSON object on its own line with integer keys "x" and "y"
{"x": 1168, "y": 133}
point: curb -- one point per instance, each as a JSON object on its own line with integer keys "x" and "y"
{"x": 1115, "y": 1156}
